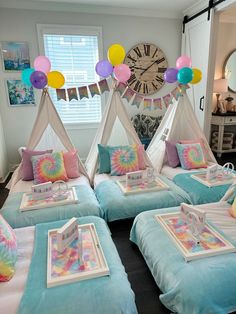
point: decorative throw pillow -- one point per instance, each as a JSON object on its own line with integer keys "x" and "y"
{"x": 71, "y": 163}
{"x": 49, "y": 167}
{"x": 8, "y": 250}
{"x": 141, "y": 159}
{"x": 172, "y": 154}
{"x": 232, "y": 209}
{"x": 191, "y": 156}
{"x": 200, "y": 141}
{"x": 104, "y": 159}
{"x": 27, "y": 168}
{"x": 123, "y": 159}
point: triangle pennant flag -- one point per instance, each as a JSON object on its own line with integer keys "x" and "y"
{"x": 103, "y": 85}
{"x": 93, "y": 88}
{"x": 129, "y": 93}
{"x": 83, "y": 92}
{"x": 157, "y": 103}
{"x": 137, "y": 100}
{"x": 176, "y": 93}
{"x": 147, "y": 103}
{"x": 167, "y": 100}
{"x": 61, "y": 93}
{"x": 72, "y": 93}
{"x": 121, "y": 88}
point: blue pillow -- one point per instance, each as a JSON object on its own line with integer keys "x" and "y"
{"x": 104, "y": 159}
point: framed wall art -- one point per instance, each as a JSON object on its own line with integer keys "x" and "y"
{"x": 15, "y": 56}
{"x": 19, "y": 94}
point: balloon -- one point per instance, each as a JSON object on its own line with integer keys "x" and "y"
{"x": 122, "y": 72}
{"x": 116, "y": 54}
{"x": 104, "y": 68}
{"x": 56, "y": 79}
{"x": 25, "y": 76}
{"x": 42, "y": 63}
{"x": 185, "y": 75}
{"x": 197, "y": 76}
{"x": 38, "y": 79}
{"x": 183, "y": 62}
{"x": 170, "y": 75}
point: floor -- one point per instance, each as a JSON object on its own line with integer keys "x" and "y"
{"x": 141, "y": 280}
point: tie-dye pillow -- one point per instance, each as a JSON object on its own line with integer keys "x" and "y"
{"x": 49, "y": 167}
{"x": 8, "y": 251}
{"x": 191, "y": 156}
{"x": 232, "y": 209}
{"x": 123, "y": 159}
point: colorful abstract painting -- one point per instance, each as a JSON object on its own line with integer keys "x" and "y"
{"x": 15, "y": 56}
{"x": 19, "y": 94}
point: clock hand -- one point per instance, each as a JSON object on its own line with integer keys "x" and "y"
{"x": 137, "y": 68}
{"x": 156, "y": 61}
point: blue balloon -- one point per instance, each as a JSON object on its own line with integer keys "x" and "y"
{"x": 25, "y": 76}
{"x": 185, "y": 75}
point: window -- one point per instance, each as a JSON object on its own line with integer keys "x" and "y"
{"x": 74, "y": 51}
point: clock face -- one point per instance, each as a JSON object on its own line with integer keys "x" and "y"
{"x": 147, "y": 63}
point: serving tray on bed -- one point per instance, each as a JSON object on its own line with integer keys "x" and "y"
{"x": 211, "y": 241}
{"x": 219, "y": 180}
{"x": 28, "y": 203}
{"x": 145, "y": 186}
{"x": 82, "y": 259}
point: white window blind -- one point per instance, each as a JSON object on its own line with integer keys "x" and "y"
{"x": 75, "y": 56}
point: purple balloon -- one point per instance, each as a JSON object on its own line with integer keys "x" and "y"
{"x": 104, "y": 68}
{"x": 170, "y": 75}
{"x": 38, "y": 79}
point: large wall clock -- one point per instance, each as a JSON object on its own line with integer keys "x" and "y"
{"x": 147, "y": 63}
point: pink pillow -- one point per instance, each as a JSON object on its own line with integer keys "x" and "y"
{"x": 27, "y": 168}
{"x": 172, "y": 154}
{"x": 71, "y": 163}
{"x": 140, "y": 152}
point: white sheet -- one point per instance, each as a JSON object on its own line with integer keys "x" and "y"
{"x": 25, "y": 186}
{"x": 12, "y": 291}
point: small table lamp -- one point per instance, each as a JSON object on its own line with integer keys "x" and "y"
{"x": 220, "y": 86}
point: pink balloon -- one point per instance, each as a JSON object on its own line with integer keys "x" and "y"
{"x": 183, "y": 62}
{"x": 122, "y": 72}
{"x": 43, "y": 64}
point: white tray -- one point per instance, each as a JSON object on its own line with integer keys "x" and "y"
{"x": 201, "y": 177}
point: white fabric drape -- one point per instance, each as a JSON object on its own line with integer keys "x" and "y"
{"x": 114, "y": 109}
{"x": 179, "y": 123}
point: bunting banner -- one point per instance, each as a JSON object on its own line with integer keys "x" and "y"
{"x": 176, "y": 93}
{"x": 93, "y": 88}
{"x": 157, "y": 103}
{"x": 72, "y": 93}
{"x": 83, "y": 92}
{"x": 104, "y": 87}
{"x": 121, "y": 88}
{"x": 147, "y": 103}
{"x": 61, "y": 94}
{"x": 167, "y": 100}
{"x": 129, "y": 93}
{"x": 137, "y": 100}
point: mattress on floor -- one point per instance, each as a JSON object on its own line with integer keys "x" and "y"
{"x": 104, "y": 295}
{"x": 201, "y": 286}
{"x": 115, "y": 205}
{"x": 87, "y": 206}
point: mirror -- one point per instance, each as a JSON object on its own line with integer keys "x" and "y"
{"x": 230, "y": 71}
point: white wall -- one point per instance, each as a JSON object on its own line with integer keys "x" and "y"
{"x": 21, "y": 25}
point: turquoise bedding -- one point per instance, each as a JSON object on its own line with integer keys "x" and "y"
{"x": 115, "y": 205}
{"x": 105, "y": 295}
{"x": 198, "y": 192}
{"x": 88, "y": 205}
{"x": 204, "y": 286}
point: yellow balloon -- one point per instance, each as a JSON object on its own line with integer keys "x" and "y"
{"x": 116, "y": 54}
{"x": 55, "y": 79}
{"x": 197, "y": 76}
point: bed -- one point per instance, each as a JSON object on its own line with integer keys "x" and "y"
{"x": 115, "y": 205}
{"x": 198, "y": 193}
{"x": 202, "y": 286}
{"x": 87, "y": 205}
{"x": 104, "y": 295}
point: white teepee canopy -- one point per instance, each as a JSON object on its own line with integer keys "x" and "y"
{"x": 179, "y": 123}
{"x": 48, "y": 133}
{"x": 114, "y": 112}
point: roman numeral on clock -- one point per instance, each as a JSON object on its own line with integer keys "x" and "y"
{"x": 137, "y": 86}
{"x": 161, "y": 70}
{"x": 145, "y": 88}
{"x": 154, "y": 53}
{"x": 138, "y": 52}
{"x": 129, "y": 57}
{"x": 160, "y": 60}
{"x": 132, "y": 79}
{"x": 159, "y": 79}
{"x": 147, "y": 50}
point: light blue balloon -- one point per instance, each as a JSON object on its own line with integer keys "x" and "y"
{"x": 185, "y": 75}
{"x": 25, "y": 76}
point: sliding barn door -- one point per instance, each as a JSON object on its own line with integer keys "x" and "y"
{"x": 197, "y": 43}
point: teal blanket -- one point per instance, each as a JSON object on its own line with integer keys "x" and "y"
{"x": 105, "y": 295}
{"x": 204, "y": 286}
{"x": 88, "y": 205}
{"x": 115, "y": 205}
{"x": 198, "y": 192}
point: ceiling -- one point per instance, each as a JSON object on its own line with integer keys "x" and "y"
{"x": 165, "y": 8}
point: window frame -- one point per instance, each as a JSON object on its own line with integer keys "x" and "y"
{"x": 57, "y": 29}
